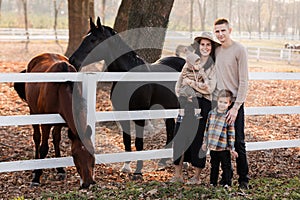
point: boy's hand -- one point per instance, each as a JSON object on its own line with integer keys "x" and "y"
{"x": 185, "y": 81}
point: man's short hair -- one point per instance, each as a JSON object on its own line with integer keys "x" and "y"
{"x": 221, "y": 21}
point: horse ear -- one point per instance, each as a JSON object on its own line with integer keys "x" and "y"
{"x": 92, "y": 25}
{"x": 99, "y": 25}
{"x": 98, "y": 22}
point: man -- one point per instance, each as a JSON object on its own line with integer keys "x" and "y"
{"x": 232, "y": 74}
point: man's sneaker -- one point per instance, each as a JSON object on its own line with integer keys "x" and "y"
{"x": 226, "y": 187}
{"x": 198, "y": 116}
{"x": 244, "y": 185}
{"x": 179, "y": 118}
{"x": 176, "y": 180}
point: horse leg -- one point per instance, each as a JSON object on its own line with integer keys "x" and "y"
{"x": 43, "y": 151}
{"x": 127, "y": 143}
{"x": 170, "y": 126}
{"x": 37, "y": 140}
{"x": 56, "y": 134}
{"x": 139, "y": 144}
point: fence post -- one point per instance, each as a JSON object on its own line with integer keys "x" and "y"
{"x": 258, "y": 54}
{"x": 289, "y": 56}
{"x": 89, "y": 86}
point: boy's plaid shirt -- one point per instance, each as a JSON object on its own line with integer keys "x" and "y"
{"x": 219, "y": 135}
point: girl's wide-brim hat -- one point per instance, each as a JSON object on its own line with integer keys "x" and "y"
{"x": 206, "y": 35}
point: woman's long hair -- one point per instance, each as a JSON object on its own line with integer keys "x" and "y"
{"x": 211, "y": 59}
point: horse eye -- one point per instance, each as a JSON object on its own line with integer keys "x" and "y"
{"x": 93, "y": 40}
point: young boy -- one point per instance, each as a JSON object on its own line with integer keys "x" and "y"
{"x": 185, "y": 92}
{"x": 219, "y": 138}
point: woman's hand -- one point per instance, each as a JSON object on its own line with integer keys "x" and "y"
{"x": 204, "y": 147}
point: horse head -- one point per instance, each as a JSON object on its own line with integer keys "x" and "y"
{"x": 83, "y": 156}
{"x": 95, "y": 36}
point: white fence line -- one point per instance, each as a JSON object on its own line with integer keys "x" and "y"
{"x": 89, "y": 93}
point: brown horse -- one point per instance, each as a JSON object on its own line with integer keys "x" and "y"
{"x": 51, "y": 97}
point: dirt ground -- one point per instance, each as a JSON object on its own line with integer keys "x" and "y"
{"x": 16, "y": 142}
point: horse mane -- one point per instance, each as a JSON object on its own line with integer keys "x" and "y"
{"x": 121, "y": 45}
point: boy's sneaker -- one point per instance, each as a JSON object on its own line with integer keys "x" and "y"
{"x": 179, "y": 118}
{"x": 198, "y": 116}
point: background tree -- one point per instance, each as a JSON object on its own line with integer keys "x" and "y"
{"x": 191, "y": 18}
{"x": 102, "y": 15}
{"x": 230, "y": 10}
{"x": 202, "y": 12}
{"x": 144, "y": 14}
{"x": 270, "y": 17}
{"x": 56, "y": 11}
{"x": 24, "y": 4}
{"x": 258, "y": 18}
{"x": 0, "y": 7}
{"x": 79, "y": 13}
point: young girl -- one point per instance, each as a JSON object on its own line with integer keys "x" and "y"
{"x": 219, "y": 138}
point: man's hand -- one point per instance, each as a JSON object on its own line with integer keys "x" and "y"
{"x": 231, "y": 115}
{"x": 234, "y": 154}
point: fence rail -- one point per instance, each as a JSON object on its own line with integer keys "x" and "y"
{"x": 89, "y": 81}
{"x": 173, "y": 38}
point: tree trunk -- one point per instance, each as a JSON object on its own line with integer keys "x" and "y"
{"x": 79, "y": 13}
{"x": 121, "y": 22}
{"x": 149, "y": 19}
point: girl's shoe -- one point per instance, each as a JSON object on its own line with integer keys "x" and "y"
{"x": 198, "y": 116}
{"x": 179, "y": 118}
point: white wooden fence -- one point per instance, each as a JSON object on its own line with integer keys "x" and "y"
{"x": 89, "y": 92}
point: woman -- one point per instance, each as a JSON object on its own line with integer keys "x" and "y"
{"x": 189, "y": 133}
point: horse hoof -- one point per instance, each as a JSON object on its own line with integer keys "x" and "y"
{"x": 137, "y": 177}
{"x": 126, "y": 168}
{"x": 61, "y": 176}
{"x": 34, "y": 184}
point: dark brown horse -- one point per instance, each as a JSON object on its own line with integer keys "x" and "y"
{"x": 57, "y": 97}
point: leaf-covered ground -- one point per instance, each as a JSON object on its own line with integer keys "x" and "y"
{"x": 274, "y": 173}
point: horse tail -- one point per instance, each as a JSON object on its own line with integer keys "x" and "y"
{"x": 20, "y": 88}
